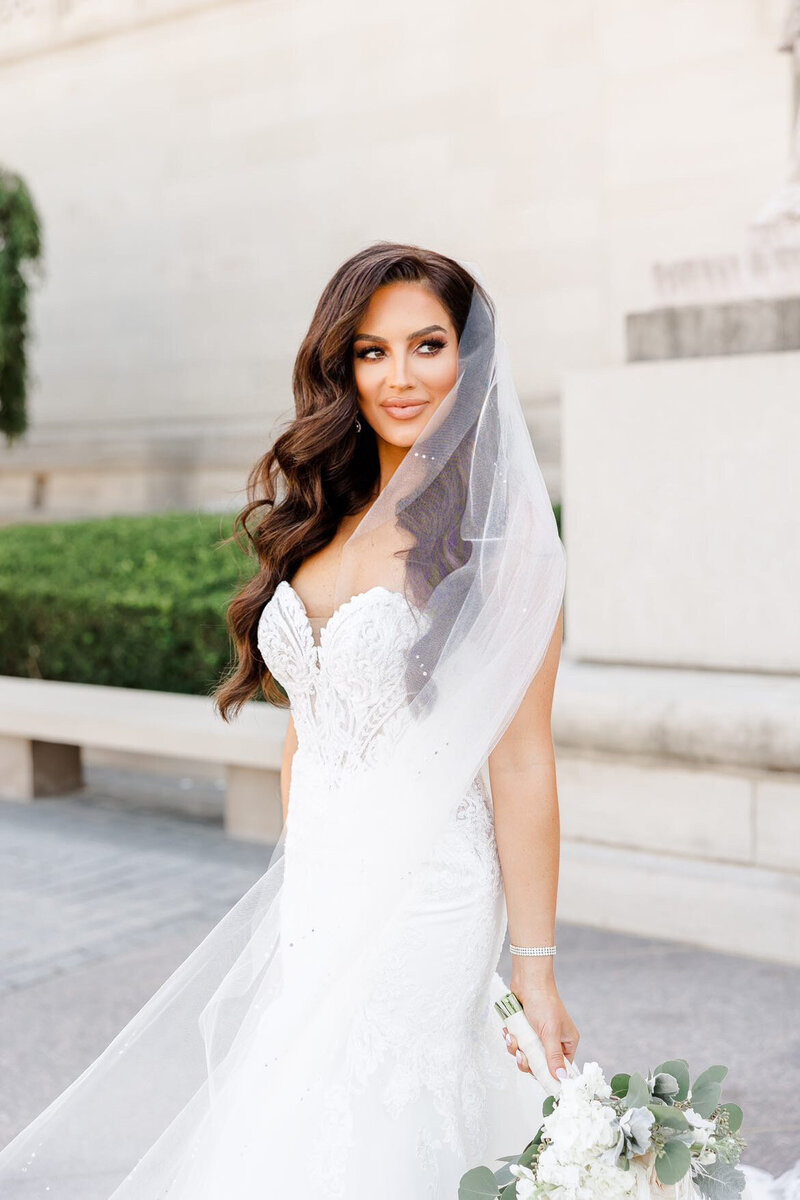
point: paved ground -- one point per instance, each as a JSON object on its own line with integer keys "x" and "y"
{"x": 100, "y": 902}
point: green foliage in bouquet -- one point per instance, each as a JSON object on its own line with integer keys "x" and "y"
{"x": 126, "y": 601}
{"x": 20, "y": 244}
{"x": 609, "y": 1140}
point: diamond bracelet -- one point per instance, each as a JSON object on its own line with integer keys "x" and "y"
{"x": 536, "y": 951}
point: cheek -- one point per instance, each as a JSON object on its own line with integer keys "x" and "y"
{"x": 364, "y": 380}
{"x": 440, "y": 374}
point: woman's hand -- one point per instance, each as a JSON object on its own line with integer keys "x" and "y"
{"x": 547, "y": 1015}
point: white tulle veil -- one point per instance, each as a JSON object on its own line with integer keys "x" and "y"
{"x": 143, "y": 1119}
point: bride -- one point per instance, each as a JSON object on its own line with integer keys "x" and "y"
{"x": 334, "y": 1035}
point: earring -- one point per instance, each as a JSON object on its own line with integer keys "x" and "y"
{"x": 358, "y": 425}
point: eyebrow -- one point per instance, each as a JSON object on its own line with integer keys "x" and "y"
{"x": 373, "y": 337}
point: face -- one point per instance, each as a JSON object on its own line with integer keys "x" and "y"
{"x": 405, "y": 361}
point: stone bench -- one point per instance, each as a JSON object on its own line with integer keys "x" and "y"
{"x": 44, "y": 725}
{"x": 679, "y": 789}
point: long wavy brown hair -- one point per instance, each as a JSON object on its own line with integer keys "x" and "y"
{"x": 320, "y": 469}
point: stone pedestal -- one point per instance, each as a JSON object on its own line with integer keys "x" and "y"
{"x": 677, "y": 736}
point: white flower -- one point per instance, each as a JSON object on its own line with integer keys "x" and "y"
{"x": 636, "y": 1124}
{"x": 593, "y": 1081}
{"x": 702, "y": 1129}
{"x": 591, "y": 1180}
{"x": 580, "y": 1124}
{"x": 526, "y": 1181}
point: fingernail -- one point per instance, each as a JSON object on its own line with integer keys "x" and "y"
{"x": 561, "y": 1073}
{"x": 518, "y": 1057}
{"x": 508, "y": 1039}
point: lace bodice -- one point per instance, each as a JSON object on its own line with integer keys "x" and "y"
{"x": 347, "y": 694}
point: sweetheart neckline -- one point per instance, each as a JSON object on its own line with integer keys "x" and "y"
{"x": 346, "y": 604}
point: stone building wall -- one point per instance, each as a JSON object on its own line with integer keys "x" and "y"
{"x": 201, "y": 168}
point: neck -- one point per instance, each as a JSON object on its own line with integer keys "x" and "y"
{"x": 389, "y": 458}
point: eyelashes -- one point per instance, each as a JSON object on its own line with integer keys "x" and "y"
{"x": 437, "y": 343}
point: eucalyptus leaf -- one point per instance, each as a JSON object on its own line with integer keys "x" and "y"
{"x": 706, "y": 1097}
{"x": 735, "y": 1116}
{"x": 720, "y": 1181}
{"x": 548, "y": 1104}
{"x": 503, "y": 1176}
{"x": 478, "y": 1184}
{"x": 710, "y": 1075}
{"x": 619, "y": 1085}
{"x": 672, "y": 1118}
{"x": 638, "y": 1093}
{"x": 679, "y": 1069}
{"x": 673, "y": 1162}
{"x": 510, "y": 1192}
{"x": 529, "y": 1153}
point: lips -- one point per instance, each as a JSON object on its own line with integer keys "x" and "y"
{"x": 404, "y": 410}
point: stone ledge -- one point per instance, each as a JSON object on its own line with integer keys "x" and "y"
{"x": 85, "y": 714}
{"x": 757, "y": 326}
{"x": 741, "y": 719}
{"x": 736, "y": 910}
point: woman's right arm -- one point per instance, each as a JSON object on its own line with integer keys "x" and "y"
{"x": 289, "y": 747}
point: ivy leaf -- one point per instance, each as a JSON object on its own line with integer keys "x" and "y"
{"x": 673, "y": 1162}
{"x": 478, "y": 1184}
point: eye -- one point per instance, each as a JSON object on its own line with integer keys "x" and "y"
{"x": 436, "y": 343}
{"x": 368, "y": 350}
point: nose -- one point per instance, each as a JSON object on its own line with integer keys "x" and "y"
{"x": 398, "y": 373}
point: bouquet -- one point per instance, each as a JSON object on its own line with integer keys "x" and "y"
{"x": 639, "y": 1136}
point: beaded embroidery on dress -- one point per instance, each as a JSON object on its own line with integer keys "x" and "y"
{"x": 427, "y": 1084}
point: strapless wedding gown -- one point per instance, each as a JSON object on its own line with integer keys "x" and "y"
{"x": 426, "y": 1088}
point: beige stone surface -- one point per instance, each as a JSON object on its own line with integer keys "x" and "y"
{"x": 737, "y": 909}
{"x": 16, "y": 768}
{"x": 682, "y": 513}
{"x": 777, "y": 826}
{"x": 253, "y": 810}
{"x": 136, "y": 719}
{"x": 223, "y": 158}
{"x": 732, "y": 718}
{"x": 657, "y": 807}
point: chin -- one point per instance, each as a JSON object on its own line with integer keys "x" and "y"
{"x": 401, "y": 433}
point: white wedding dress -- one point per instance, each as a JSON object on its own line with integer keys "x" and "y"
{"x": 425, "y": 1088}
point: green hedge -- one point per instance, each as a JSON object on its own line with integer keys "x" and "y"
{"x": 129, "y": 601}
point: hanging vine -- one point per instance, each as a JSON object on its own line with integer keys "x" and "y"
{"x": 20, "y": 251}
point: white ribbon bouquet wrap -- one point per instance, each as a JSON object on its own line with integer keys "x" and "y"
{"x": 158, "y": 1113}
